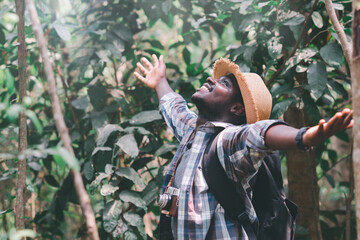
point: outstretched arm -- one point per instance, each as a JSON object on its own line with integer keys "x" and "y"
{"x": 282, "y": 137}
{"x": 154, "y": 75}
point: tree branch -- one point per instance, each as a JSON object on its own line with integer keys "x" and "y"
{"x": 355, "y": 86}
{"x": 348, "y": 201}
{"x": 20, "y": 185}
{"x": 301, "y": 35}
{"x": 60, "y": 123}
{"x": 339, "y": 30}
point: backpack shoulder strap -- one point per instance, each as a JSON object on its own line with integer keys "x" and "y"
{"x": 219, "y": 184}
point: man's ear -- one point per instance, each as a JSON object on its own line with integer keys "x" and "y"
{"x": 238, "y": 109}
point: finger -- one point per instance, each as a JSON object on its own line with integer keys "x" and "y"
{"x": 142, "y": 69}
{"x": 147, "y": 63}
{"x": 351, "y": 124}
{"x": 156, "y": 61}
{"x": 161, "y": 60}
{"x": 138, "y": 76}
{"x": 321, "y": 125}
{"x": 333, "y": 122}
{"x": 347, "y": 119}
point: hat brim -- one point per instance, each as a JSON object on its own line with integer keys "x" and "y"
{"x": 256, "y": 96}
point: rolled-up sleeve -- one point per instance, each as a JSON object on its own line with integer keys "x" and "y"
{"x": 241, "y": 149}
{"x": 177, "y": 115}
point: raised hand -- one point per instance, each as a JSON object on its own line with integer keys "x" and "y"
{"x": 154, "y": 74}
{"x": 319, "y": 133}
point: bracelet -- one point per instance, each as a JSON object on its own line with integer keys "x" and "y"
{"x": 299, "y": 139}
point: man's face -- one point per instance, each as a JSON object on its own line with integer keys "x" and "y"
{"x": 216, "y": 95}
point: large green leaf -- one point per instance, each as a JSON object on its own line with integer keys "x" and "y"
{"x": 281, "y": 107}
{"x": 317, "y": 79}
{"x": 135, "y": 220}
{"x": 98, "y": 119}
{"x": 97, "y": 95}
{"x": 150, "y": 193}
{"x": 62, "y": 31}
{"x": 106, "y": 132}
{"x": 317, "y": 19}
{"x": 65, "y": 156}
{"x": 108, "y": 189}
{"x": 165, "y": 148}
{"x": 296, "y": 19}
{"x": 122, "y": 32}
{"x": 145, "y": 117}
{"x": 130, "y": 236}
{"x": 129, "y": 145}
{"x": 300, "y": 55}
{"x": 80, "y": 103}
{"x": 186, "y": 56}
{"x": 133, "y": 197}
{"x": 99, "y": 178}
{"x": 332, "y": 54}
{"x": 274, "y": 47}
{"x": 132, "y": 175}
{"x": 111, "y": 214}
{"x": 97, "y": 149}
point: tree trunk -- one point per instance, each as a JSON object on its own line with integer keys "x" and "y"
{"x": 355, "y": 73}
{"x": 20, "y": 202}
{"x": 60, "y": 123}
{"x": 302, "y": 179}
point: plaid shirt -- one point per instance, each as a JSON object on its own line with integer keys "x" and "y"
{"x": 240, "y": 150}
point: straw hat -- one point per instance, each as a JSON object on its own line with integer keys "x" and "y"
{"x": 256, "y": 96}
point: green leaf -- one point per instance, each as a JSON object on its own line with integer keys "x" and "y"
{"x": 317, "y": 79}
{"x": 88, "y": 170}
{"x": 332, "y": 156}
{"x": 274, "y": 47}
{"x": 65, "y": 156}
{"x": 330, "y": 180}
{"x": 97, "y": 149}
{"x": 52, "y": 181}
{"x": 62, "y": 31}
{"x": 186, "y": 56}
{"x": 324, "y": 164}
{"x": 22, "y": 234}
{"x": 108, "y": 189}
{"x": 35, "y": 166}
{"x": 132, "y": 175}
{"x": 140, "y": 130}
{"x": 13, "y": 112}
{"x": 135, "y": 220}
{"x": 165, "y": 148}
{"x": 300, "y": 55}
{"x": 311, "y": 109}
{"x": 317, "y": 19}
{"x": 34, "y": 119}
{"x": 106, "y": 132}
{"x": 281, "y": 107}
{"x": 80, "y": 103}
{"x": 122, "y": 32}
{"x": 99, "y": 178}
{"x": 128, "y": 144}
{"x": 133, "y": 197}
{"x": 145, "y": 117}
{"x": 343, "y": 136}
{"x": 6, "y": 211}
{"x": 150, "y": 193}
{"x": 296, "y": 20}
{"x": 98, "y": 119}
{"x": 130, "y": 236}
{"x": 332, "y": 55}
{"x": 98, "y": 96}
{"x": 111, "y": 214}
{"x": 155, "y": 43}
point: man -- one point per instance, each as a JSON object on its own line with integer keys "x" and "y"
{"x": 236, "y": 106}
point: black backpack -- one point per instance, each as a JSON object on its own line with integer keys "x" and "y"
{"x": 276, "y": 214}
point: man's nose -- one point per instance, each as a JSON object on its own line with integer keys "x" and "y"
{"x": 211, "y": 80}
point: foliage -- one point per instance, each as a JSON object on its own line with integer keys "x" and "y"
{"x": 121, "y": 145}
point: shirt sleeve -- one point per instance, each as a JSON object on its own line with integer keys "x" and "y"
{"x": 177, "y": 115}
{"x": 241, "y": 149}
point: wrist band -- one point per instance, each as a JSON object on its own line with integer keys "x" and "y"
{"x": 299, "y": 139}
